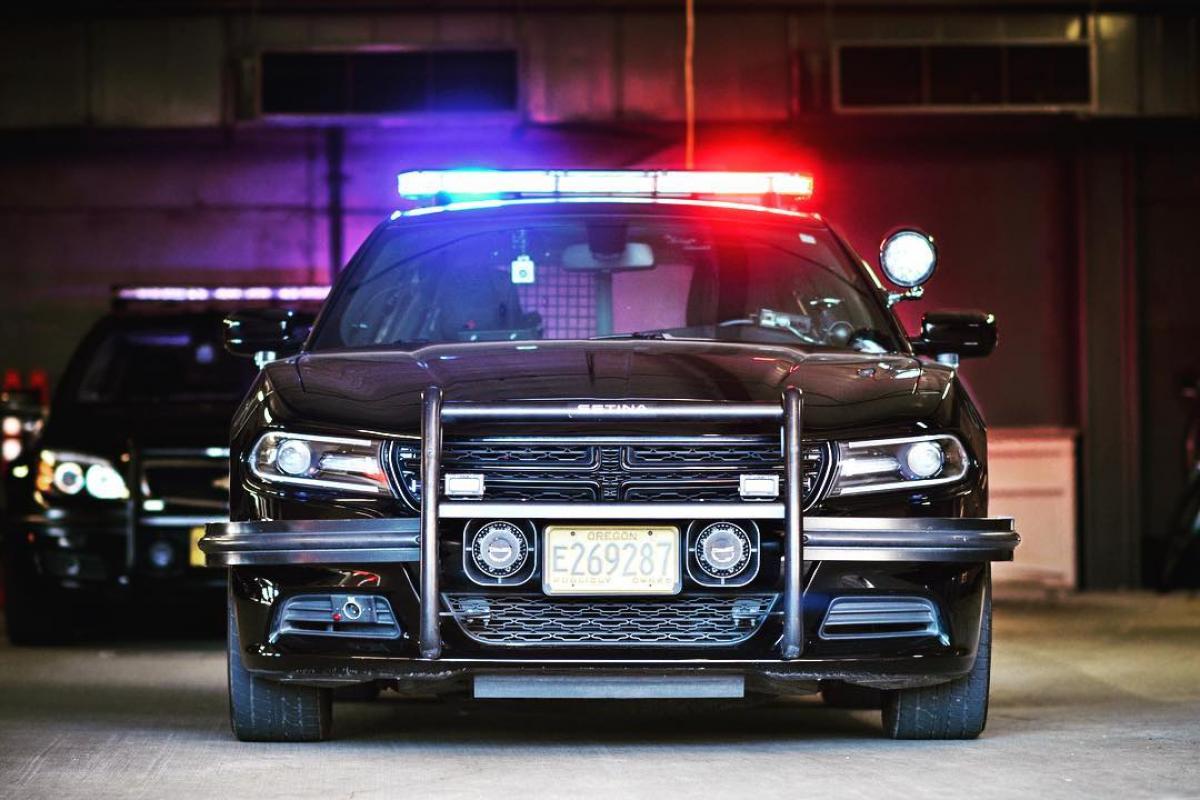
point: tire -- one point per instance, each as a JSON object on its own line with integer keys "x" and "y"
{"x": 954, "y": 710}
{"x": 850, "y": 697}
{"x": 262, "y": 710}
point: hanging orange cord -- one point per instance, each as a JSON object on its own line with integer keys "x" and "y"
{"x": 689, "y": 84}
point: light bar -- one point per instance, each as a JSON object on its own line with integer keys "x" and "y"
{"x": 200, "y": 294}
{"x": 477, "y": 183}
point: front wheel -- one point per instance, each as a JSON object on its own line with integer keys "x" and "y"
{"x": 954, "y": 710}
{"x": 262, "y": 710}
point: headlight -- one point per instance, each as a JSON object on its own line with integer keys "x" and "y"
{"x": 882, "y": 465}
{"x": 320, "y": 462}
{"x": 73, "y": 473}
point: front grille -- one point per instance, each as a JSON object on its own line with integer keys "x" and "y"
{"x": 531, "y": 620}
{"x": 186, "y": 479}
{"x": 880, "y": 617}
{"x": 317, "y": 615}
{"x": 633, "y": 470}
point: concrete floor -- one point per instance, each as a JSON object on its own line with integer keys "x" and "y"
{"x": 1094, "y": 696}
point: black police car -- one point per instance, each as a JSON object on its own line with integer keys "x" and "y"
{"x": 617, "y": 434}
{"x": 132, "y": 461}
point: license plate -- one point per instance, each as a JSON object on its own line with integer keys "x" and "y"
{"x": 195, "y": 554}
{"x": 620, "y": 559}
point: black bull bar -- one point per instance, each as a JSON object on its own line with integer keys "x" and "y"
{"x": 410, "y": 540}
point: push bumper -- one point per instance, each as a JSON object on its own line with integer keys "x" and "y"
{"x": 374, "y": 541}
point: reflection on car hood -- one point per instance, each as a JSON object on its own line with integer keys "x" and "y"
{"x": 381, "y": 389}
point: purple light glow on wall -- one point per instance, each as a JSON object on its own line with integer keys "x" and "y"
{"x": 199, "y": 294}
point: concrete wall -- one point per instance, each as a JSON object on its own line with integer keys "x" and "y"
{"x": 251, "y": 207}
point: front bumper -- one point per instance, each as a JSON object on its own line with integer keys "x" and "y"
{"x": 375, "y": 541}
{"x": 406, "y": 567}
{"x": 110, "y": 551}
{"x": 943, "y": 559}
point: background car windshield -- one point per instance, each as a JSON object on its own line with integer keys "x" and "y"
{"x": 169, "y": 364}
{"x": 604, "y": 276}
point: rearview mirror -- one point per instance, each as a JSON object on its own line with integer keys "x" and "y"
{"x": 636, "y": 255}
{"x": 950, "y": 335}
{"x": 266, "y": 333}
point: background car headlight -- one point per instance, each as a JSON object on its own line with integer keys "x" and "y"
{"x": 320, "y": 462}
{"x": 913, "y": 462}
{"x": 74, "y": 474}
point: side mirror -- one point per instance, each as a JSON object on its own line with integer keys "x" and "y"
{"x": 951, "y": 335}
{"x": 266, "y": 333}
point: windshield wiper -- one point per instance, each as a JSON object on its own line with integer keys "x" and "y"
{"x": 771, "y": 320}
{"x": 635, "y": 335}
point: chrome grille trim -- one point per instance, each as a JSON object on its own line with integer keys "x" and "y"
{"x": 522, "y": 620}
{"x": 622, "y": 468}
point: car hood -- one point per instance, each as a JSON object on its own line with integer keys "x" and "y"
{"x": 381, "y": 389}
{"x": 106, "y": 429}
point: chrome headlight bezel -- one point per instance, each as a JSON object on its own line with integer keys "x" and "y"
{"x": 882, "y": 476}
{"x": 340, "y": 464}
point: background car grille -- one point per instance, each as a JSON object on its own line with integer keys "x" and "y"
{"x": 187, "y": 479}
{"x": 644, "y": 471}
{"x": 681, "y": 621}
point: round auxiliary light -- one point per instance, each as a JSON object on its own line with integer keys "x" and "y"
{"x": 499, "y": 549}
{"x": 924, "y": 460}
{"x": 161, "y": 555}
{"x": 723, "y": 550}
{"x": 293, "y": 457}
{"x": 68, "y": 477}
{"x": 908, "y": 257}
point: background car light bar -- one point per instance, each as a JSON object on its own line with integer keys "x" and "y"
{"x": 194, "y": 294}
{"x": 430, "y": 183}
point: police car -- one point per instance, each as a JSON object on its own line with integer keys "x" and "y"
{"x": 632, "y": 434}
{"x": 109, "y": 501}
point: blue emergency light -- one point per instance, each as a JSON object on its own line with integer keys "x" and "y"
{"x": 475, "y": 183}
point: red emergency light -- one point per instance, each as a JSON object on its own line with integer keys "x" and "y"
{"x": 475, "y": 184}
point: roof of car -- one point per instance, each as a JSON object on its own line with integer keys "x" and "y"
{"x": 611, "y": 204}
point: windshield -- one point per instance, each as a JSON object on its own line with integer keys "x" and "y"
{"x": 604, "y": 276}
{"x": 165, "y": 362}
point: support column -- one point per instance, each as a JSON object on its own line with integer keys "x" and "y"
{"x": 1110, "y": 479}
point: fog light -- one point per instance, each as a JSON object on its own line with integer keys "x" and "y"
{"x": 499, "y": 549}
{"x": 758, "y": 487}
{"x": 467, "y": 484}
{"x": 924, "y": 460}
{"x": 293, "y": 457}
{"x": 723, "y": 550}
{"x": 351, "y": 609}
{"x": 161, "y": 555}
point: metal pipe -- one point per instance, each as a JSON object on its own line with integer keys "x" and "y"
{"x": 610, "y": 511}
{"x": 335, "y": 148}
{"x": 792, "y": 643}
{"x": 611, "y": 411}
{"x": 133, "y": 476}
{"x": 431, "y": 456}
